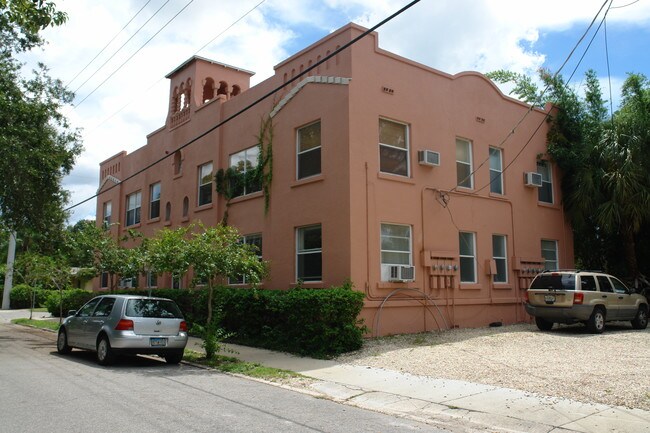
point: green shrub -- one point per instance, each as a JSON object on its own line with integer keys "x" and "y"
{"x": 21, "y": 296}
{"x": 73, "y": 299}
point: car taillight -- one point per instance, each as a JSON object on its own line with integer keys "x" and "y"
{"x": 525, "y": 295}
{"x": 124, "y": 325}
{"x": 578, "y": 298}
{"x": 183, "y": 326}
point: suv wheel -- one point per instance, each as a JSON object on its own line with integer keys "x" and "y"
{"x": 596, "y": 323}
{"x": 641, "y": 319}
{"x": 543, "y": 324}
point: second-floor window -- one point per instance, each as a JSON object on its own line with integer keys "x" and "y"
{"x": 309, "y": 151}
{"x": 205, "y": 184}
{"x": 133, "y": 205}
{"x": 154, "y": 200}
{"x": 393, "y": 148}
{"x": 107, "y": 212}
{"x": 496, "y": 171}
{"x": 545, "y": 193}
{"x": 244, "y": 164}
{"x": 464, "y": 175}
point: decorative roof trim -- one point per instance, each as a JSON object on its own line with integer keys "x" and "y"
{"x": 317, "y": 79}
{"x": 106, "y": 179}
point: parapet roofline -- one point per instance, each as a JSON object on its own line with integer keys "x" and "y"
{"x": 194, "y": 58}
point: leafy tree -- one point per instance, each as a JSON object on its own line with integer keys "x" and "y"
{"x": 168, "y": 251}
{"x": 45, "y": 271}
{"x": 605, "y": 164}
{"x": 39, "y": 147}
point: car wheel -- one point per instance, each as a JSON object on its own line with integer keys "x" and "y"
{"x": 62, "y": 342}
{"x": 641, "y": 319}
{"x": 105, "y": 355}
{"x": 174, "y": 357}
{"x": 543, "y": 324}
{"x": 596, "y": 323}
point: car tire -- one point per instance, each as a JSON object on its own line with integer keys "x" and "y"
{"x": 596, "y": 322}
{"x": 105, "y": 355}
{"x": 640, "y": 321}
{"x": 543, "y": 324}
{"x": 173, "y": 357}
{"x": 62, "y": 342}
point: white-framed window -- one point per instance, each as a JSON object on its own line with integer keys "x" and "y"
{"x": 393, "y": 148}
{"x": 309, "y": 253}
{"x": 256, "y": 241}
{"x": 464, "y": 175}
{"x": 205, "y": 184}
{"x": 467, "y": 248}
{"x": 308, "y": 161}
{"x": 128, "y": 283}
{"x": 244, "y": 164}
{"x": 549, "y": 253}
{"x": 107, "y": 211}
{"x": 396, "y": 247}
{"x": 133, "y": 206}
{"x": 496, "y": 171}
{"x": 154, "y": 200}
{"x": 545, "y": 192}
{"x": 500, "y": 257}
{"x": 152, "y": 279}
{"x": 176, "y": 282}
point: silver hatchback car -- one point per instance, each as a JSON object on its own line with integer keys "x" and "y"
{"x": 125, "y": 324}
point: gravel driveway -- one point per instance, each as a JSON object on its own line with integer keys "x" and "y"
{"x": 610, "y": 368}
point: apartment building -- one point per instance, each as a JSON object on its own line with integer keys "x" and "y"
{"x": 432, "y": 193}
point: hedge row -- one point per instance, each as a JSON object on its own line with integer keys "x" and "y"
{"x": 310, "y": 322}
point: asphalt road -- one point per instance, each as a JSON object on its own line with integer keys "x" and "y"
{"x": 42, "y": 391}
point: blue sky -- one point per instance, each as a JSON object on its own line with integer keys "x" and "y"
{"x": 450, "y": 35}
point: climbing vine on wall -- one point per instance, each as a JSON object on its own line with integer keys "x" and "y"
{"x": 235, "y": 181}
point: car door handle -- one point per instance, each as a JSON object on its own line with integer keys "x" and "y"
{"x": 604, "y": 296}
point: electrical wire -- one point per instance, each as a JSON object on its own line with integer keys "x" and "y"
{"x": 133, "y": 55}
{"x": 257, "y": 101}
{"x": 162, "y": 78}
{"x": 109, "y": 42}
{"x": 532, "y": 107}
{"x": 120, "y": 48}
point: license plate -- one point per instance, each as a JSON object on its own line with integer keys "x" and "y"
{"x": 158, "y": 342}
{"x": 549, "y": 299}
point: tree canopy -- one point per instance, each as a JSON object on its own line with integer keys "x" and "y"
{"x": 605, "y": 162}
{"x": 38, "y": 145}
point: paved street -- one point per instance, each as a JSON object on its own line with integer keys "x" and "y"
{"x": 43, "y": 391}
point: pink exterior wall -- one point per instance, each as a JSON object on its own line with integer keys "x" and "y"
{"x": 352, "y": 198}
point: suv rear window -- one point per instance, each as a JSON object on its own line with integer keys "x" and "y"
{"x": 159, "y": 308}
{"x": 557, "y": 282}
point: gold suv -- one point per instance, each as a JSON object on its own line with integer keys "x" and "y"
{"x": 592, "y": 298}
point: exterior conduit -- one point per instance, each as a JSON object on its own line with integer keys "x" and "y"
{"x": 426, "y": 298}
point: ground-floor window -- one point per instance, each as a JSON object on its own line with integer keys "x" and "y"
{"x": 395, "y": 248}
{"x": 467, "y": 248}
{"x": 549, "y": 252}
{"x": 256, "y": 241}
{"x": 500, "y": 257}
{"x": 309, "y": 253}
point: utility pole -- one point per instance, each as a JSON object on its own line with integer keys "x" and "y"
{"x": 9, "y": 275}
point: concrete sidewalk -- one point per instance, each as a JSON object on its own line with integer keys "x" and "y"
{"x": 470, "y": 406}
{"x": 454, "y": 405}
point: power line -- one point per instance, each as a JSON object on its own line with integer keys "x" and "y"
{"x": 119, "y": 49}
{"x": 257, "y": 101}
{"x": 133, "y": 55}
{"x": 109, "y": 42}
{"x": 532, "y": 106}
{"x": 195, "y": 53}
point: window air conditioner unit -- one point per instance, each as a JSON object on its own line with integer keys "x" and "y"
{"x": 533, "y": 179}
{"x": 428, "y": 157}
{"x": 402, "y": 273}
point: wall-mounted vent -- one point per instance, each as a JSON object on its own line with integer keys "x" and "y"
{"x": 428, "y": 157}
{"x": 402, "y": 273}
{"x": 533, "y": 179}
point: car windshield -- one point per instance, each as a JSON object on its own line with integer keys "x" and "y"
{"x": 554, "y": 281}
{"x": 160, "y": 308}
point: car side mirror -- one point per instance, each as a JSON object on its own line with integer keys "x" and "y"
{"x": 72, "y": 312}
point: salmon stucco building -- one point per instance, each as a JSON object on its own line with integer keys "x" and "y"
{"x": 431, "y": 192}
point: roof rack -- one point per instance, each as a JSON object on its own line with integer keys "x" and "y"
{"x": 571, "y": 270}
